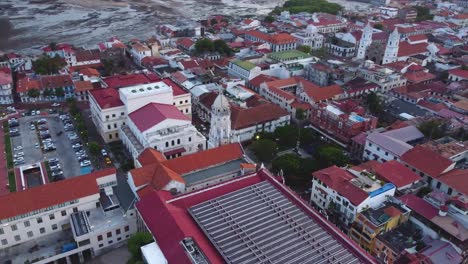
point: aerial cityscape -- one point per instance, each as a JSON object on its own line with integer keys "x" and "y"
{"x": 224, "y": 131}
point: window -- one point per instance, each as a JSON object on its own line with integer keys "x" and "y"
{"x": 172, "y": 143}
{"x": 126, "y": 229}
{"x": 117, "y": 232}
{"x": 42, "y": 230}
{"x": 178, "y": 141}
{"x": 54, "y": 227}
{"x": 109, "y": 234}
{"x": 1, "y": 231}
{"x": 110, "y": 136}
{"x": 107, "y": 117}
{"x": 110, "y": 241}
{"x": 30, "y": 234}
{"x": 186, "y": 110}
{"x": 438, "y": 185}
{"x": 181, "y": 102}
{"x": 14, "y": 228}
{"x": 167, "y": 144}
{"x": 190, "y": 139}
{"x": 26, "y": 223}
{"x": 75, "y": 210}
{"x": 108, "y": 126}
{"x": 378, "y": 149}
{"x": 101, "y": 245}
{"x": 17, "y": 238}
{"x": 64, "y": 213}
{"x": 99, "y": 238}
{"x": 122, "y": 113}
{"x": 4, "y": 242}
{"x": 115, "y": 125}
{"x": 113, "y": 115}
{"x": 449, "y": 191}
{"x": 51, "y": 216}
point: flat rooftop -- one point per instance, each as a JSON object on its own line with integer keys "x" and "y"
{"x": 231, "y": 167}
{"x": 259, "y": 224}
{"x": 288, "y": 55}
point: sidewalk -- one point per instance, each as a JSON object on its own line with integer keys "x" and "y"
{"x": 3, "y": 166}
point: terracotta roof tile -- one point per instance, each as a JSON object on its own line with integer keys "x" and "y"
{"x": 82, "y": 86}
{"x": 396, "y": 173}
{"x": 426, "y": 160}
{"x": 407, "y": 49}
{"x": 247, "y": 117}
{"x": 150, "y": 156}
{"x": 154, "y": 113}
{"x": 317, "y": 93}
{"x": 106, "y": 97}
{"x": 51, "y": 194}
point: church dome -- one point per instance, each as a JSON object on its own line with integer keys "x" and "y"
{"x": 221, "y": 102}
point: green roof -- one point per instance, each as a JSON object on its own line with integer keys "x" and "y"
{"x": 244, "y": 64}
{"x": 288, "y": 55}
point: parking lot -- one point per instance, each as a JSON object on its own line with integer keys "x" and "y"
{"x": 35, "y": 150}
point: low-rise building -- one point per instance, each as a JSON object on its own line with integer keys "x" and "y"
{"x": 374, "y": 221}
{"x": 162, "y": 127}
{"x": 348, "y": 191}
{"x": 138, "y": 51}
{"x": 245, "y": 70}
{"x": 6, "y": 86}
{"x": 277, "y": 42}
{"x": 46, "y": 88}
{"x": 391, "y": 245}
{"x": 386, "y": 78}
{"x": 82, "y": 215}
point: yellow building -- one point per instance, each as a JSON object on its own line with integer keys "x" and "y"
{"x": 371, "y": 222}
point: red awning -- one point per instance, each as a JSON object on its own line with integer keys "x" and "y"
{"x": 174, "y": 151}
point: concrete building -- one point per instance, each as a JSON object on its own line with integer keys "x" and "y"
{"x": 386, "y": 78}
{"x": 162, "y": 127}
{"x": 243, "y": 69}
{"x": 82, "y": 216}
{"x": 309, "y": 37}
{"x": 278, "y": 42}
{"x": 350, "y": 192}
{"x": 138, "y": 51}
{"x": 220, "y": 122}
{"x": 6, "y": 87}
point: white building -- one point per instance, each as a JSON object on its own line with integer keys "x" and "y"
{"x": 243, "y": 69}
{"x": 384, "y": 77}
{"x": 349, "y": 191}
{"x": 220, "y": 126}
{"x": 139, "y": 51}
{"x": 310, "y": 37}
{"x": 6, "y": 87}
{"x": 391, "y": 50}
{"x": 110, "y": 107}
{"x": 162, "y": 127}
{"x": 79, "y": 215}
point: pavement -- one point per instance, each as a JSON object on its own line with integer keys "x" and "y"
{"x": 64, "y": 151}
{"x": 117, "y": 256}
{"x": 3, "y": 166}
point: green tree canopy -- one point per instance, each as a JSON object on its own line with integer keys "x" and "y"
{"x": 94, "y": 148}
{"x": 213, "y": 21}
{"x": 297, "y": 6}
{"x": 269, "y": 19}
{"x": 330, "y": 155}
{"x": 59, "y": 92}
{"x": 423, "y": 13}
{"x": 287, "y": 135}
{"x": 433, "y": 129}
{"x": 374, "y": 103}
{"x": 48, "y": 65}
{"x": 34, "y": 93}
{"x": 206, "y": 45}
{"x": 265, "y": 149}
{"x": 304, "y": 48}
{"x": 378, "y": 26}
{"x": 135, "y": 242}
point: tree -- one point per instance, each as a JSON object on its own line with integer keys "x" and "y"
{"x": 297, "y": 6}
{"x": 330, "y": 155}
{"x": 423, "y": 13}
{"x": 287, "y": 135}
{"x": 378, "y": 26}
{"x": 265, "y": 149}
{"x": 48, "y": 65}
{"x": 320, "y": 53}
{"x": 135, "y": 242}
{"x": 59, "y": 92}
{"x": 221, "y": 47}
{"x": 304, "y": 48}
{"x": 432, "y": 129}
{"x": 373, "y": 103}
{"x": 94, "y": 148}
{"x": 53, "y": 46}
{"x": 290, "y": 164}
{"x": 213, "y": 21}
{"x": 48, "y": 92}
{"x": 203, "y": 45}
{"x": 109, "y": 66}
{"x": 34, "y": 93}
{"x": 300, "y": 114}
{"x": 308, "y": 136}
{"x": 269, "y": 19}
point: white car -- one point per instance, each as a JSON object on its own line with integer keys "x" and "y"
{"x": 103, "y": 152}
{"x": 85, "y": 163}
{"x": 18, "y": 159}
{"x": 55, "y": 104}
{"x": 18, "y": 148}
{"x": 36, "y": 145}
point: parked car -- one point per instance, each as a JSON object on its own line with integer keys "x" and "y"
{"x": 108, "y": 161}
{"x": 55, "y": 104}
{"x": 18, "y": 148}
{"x": 103, "y": 152}
{"x": 36, "y": 145}
{"x": 32, "y": 127}
{"x": 85, "y": 163}
{"x": 82, "y": 158}
{"x": 19, "y": 162}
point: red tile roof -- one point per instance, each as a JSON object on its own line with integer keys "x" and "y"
{"x": 426, "y": 160}
{"x": 417, "y": 77}
{"x": 317, "y": 93}
{"x": 150, "y": 156}
{"x": 339, "y": 180}
{"x": 255, "y": 82}
{"x": 51, "y": 194}
{"x": 417, "y": 38}
{"x": 90, "y": 72}
{"x": 154, "y": 113}
{"x": 204, "y": 159}
{"x": 247, "y": 117}
{"x": 106, "y": 97}
{"x": 459, "y": 72}
{"x": 121, "y": 81}
{"x": 82, "y": 86}
{"x": 176, "y": 89}
{"x": 186, "y": 43}
{"x": 56, "y": 81}
{"x": 407, "y": 49}
{"x": 282, "y": 38}
{"x": 396, "y": 173}
{"x": 25, "y": 84}
{"x": 457, "y": 179}
{"x": 419, "y": 205}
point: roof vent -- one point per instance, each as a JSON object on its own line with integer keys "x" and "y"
{"x": 134, "y": 91}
